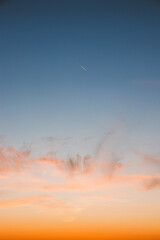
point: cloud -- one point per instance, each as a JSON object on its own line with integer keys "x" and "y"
{"x": 78, "y": 174}
{"x": 43, "y": 202}
{"x": 148, "y": 158}
{"x": 72, "y": 173}
{"x": 151, "y": 159}
{"x": 22, "y": 201}
{"x": 50, "y": 203}
{"x": 104, "y": 142}
{"x": 152, "y": 83}
{"x": 103, "y": 164}
{"x": 56, "y": 139}
{"x": 151, "y": 183}
{"x": 12, "y": 159}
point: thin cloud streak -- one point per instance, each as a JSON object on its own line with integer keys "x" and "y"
{"x": 147, "y": 157}
{"x": 22, "y": 201}
{"x": 83, "y": 68}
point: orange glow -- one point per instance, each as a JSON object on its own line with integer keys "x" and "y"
{"x": 85, "y": 197}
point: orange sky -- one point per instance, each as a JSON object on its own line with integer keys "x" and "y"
{"x": 94, "y": 223}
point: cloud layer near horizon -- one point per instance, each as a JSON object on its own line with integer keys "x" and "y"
{"x": 19, "y": 170}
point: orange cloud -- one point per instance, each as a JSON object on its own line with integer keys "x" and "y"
{"x": 20, "y": 171}
{"x": 44, "y": 202}
{"x": 151, "y": 159}
{"x": 147, "y": 157}
{"x": 12, "y": 159}
{"x": 15, "y": 160}
{"x": 151, "y": 183}
{"x": 22, "y": 201}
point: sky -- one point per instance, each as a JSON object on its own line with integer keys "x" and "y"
{"x": 79, "y": 119}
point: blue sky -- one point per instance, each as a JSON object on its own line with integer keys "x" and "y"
{"x": 44, "y": 91}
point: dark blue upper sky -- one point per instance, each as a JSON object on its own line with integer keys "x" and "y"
{"x": 43, "y": 89}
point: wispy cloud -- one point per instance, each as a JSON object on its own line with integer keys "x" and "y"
{"x": 151, "y": 183}
{"x": 147, "y": 157}
{"x": 22, "y": 201}
{"x": 13, "y": 159}
{"x": 78, "y": 172}
{"x": 19, "y": 170}
{"x": 153, "y": 83}
{"x": 56, "y": 139}
{"x": 43, "y": 202}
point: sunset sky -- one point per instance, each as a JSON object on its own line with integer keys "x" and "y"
{"x": 80, "y": 119}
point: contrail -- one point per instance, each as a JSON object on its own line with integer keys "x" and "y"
{"x": 83, "y": 68}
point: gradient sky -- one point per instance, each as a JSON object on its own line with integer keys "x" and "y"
{"x": 79, "y": 119}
